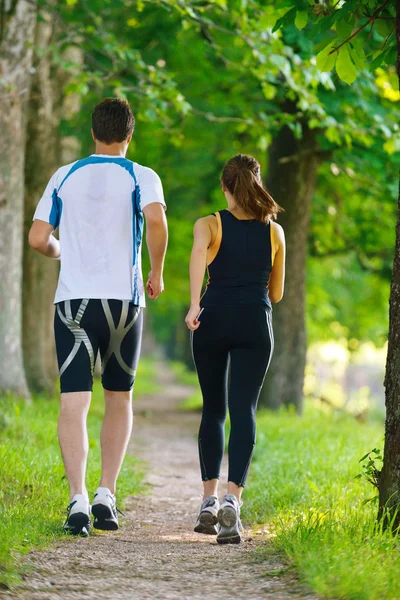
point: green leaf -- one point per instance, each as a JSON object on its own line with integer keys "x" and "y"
{"x": 326, "y": 61}
{"x": 391, "y": 55}
{"x": 345, "y": 68}
{"x": 384, "y": 27}
{"x": 358, "y": 58}
{"x": 321, "y": 45}
{"x": 377, "y": 60}
{"x": 269, "y": 90}
{"x": 287, "y": 17}
{"x": 364, "y": 457}
{"x": 301, "y": 19}
{"x": 392, "y": 145}
{"x": 344, "y": 29}
{"x": 324, "y": 24}
{"x": 349, "y": 6}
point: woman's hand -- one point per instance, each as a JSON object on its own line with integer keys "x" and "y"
{"x": 191, "y": 318}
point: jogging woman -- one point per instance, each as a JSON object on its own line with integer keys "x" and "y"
{"x": 231, "y": 324}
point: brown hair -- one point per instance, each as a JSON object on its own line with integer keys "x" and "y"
{"x": 241, "y": 175}
{"x": 112, "y": 121}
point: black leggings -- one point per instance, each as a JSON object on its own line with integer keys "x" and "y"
{"x": 244, "y": 335}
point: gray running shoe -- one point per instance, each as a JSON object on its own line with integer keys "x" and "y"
{"x": 78, "y": 520}
{"x": 229, "y": 521}
{"x": 207, "y": 519}
{"x": 105, "y": 510}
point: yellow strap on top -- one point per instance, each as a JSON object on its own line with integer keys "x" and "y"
{"x": 273, "y": 242}
{"x": 215, "y": 246}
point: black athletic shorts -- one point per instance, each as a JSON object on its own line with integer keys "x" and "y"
{"x": 82, "y": 328}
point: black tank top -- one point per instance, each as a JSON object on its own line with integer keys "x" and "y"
{"x": 239, "y": 262}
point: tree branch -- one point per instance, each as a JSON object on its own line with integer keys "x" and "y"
{"x": 215, "y": 119}
{"x": 353, "y": 35}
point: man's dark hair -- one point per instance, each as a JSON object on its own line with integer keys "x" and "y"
{"x": 112, "y": 121}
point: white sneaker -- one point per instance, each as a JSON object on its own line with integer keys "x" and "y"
{"x": 104, "y": 510}
{"x": 78, "y": 520}
{"x": 207, "y": 519}
{"x": 229, "y": 521}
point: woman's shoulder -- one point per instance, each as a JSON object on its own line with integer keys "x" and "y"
{"x": 208, "y": 220}
{"x": 206, "y": 223}
{"x": 278, "y": 231}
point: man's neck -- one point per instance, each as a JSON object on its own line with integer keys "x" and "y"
{"x": 111, "y": 149}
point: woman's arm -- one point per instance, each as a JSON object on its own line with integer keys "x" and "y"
{"x": 198, "y": 261}
{"x": 277, "y": 278}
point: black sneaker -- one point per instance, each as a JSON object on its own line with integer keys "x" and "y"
{"x": 78, "y": 520}
{"x": 105, "y": 510}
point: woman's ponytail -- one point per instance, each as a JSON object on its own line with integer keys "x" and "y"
{"x": 241, "y": 176}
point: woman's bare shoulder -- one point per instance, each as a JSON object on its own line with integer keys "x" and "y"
{"x": 278, "y": 230}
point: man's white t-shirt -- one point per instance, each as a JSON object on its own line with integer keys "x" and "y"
{"x": 97, "y": 203}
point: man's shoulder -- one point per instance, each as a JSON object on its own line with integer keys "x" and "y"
{"x": 144, "y": 173}
{"x": 62, "y": 172}
{"x": 64, "y": 169}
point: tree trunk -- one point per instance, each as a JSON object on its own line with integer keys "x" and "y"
{"x": 389, "y": 477}
{"x": 46, "y": 151}
{"x": 17, "y": 35}
{"x": 40, "y": 273}
{"x": 292, "y": 168}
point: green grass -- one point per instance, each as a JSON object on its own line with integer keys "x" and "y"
{"x": 33, "y": 489}
{"x": 188, "y": 377}
{"x": 302, "y": 484}
{"x": 303, "y": 490}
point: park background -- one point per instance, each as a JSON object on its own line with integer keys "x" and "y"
{"x": 207, "y": 80}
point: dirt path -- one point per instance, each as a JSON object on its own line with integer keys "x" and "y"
{"x": 156, "y": 554}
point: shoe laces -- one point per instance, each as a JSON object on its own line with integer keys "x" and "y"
{"x": 70, "y": 505}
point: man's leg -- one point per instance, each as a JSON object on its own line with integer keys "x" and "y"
{"x": 72, "y": 434}
{"x": 120, "y": 351}
{"x": 77, "y": 349}
{"x": 115, "y": 434}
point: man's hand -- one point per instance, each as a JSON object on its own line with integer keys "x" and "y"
{"x": 154, "y": 286}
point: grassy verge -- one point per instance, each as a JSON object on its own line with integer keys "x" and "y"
{"x": 188, "y": 377}
{"x": 33, "y": 489}
{"x": 303, "y": 485}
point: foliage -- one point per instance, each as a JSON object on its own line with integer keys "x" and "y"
{"x": 33, "y": 488}
{"x": 302, "y": 485}
{"x": 371, "y": 470}
{"x": 207, "y": 80}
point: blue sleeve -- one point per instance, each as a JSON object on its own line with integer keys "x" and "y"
{"x": 49, "y": 208}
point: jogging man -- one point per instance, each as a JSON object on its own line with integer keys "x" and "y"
{"x": 99, "y": 204}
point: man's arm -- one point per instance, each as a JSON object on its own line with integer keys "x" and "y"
{"x": 157, "y": 241}
{"x": 41, "y": 238}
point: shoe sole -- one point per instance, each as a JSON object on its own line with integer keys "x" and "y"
{"x": 78, "y": 524}
{"x": 228, "y": 533}
{"x": 103, "y": 518}
{"x": 207, "y": 524}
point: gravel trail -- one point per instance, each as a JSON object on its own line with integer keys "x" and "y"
{"x": 156, "y": 554}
